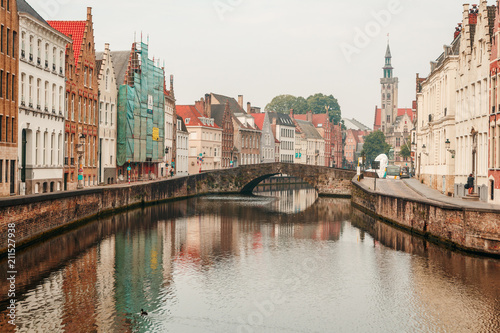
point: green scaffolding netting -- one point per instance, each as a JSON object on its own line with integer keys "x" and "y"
{"x": 141, "y": 111}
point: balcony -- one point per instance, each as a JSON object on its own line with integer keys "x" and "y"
{"x": 54, "y": 111}
{"x": 22, "y": 54}
{"x": 38, "y": 61}
{"x": 23, "y": 103}
{"x": 46, "y": 108}
{"x": 38, "y": 107}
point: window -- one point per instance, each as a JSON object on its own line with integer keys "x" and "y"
{"x": 1, "y": 84}
{"x": 107, "y": 79}
{"x": 111, "y": 114}
{"x": 1, "y": 127}
{"x": 7, "y": 86}
{"x": 85, "y": 76}
{"x": 53, "y": 98}
{"x": 45, "y": 144}
{"x": 60, "y": 100}
{"x": 1, "y": 171}
{"x": 7, "y": 46}
{"x": 13, "y": 87}
{"x": 30, "y": 92}
{"x": 79, "y": 109}
{"x": 38, "y": 83}
{"x": 46, "y": 55}
{"x": 14, "y": 37}
{"x": 100, "y": 111}
{"x": 90, "y": 78}
{"x": 6, "y": 128}
{"x": 46, "y": 95}
{"x": 23, "y": 76}
{"x": 52, "y": 138}
{"x": 72, "y": 106}
{"x": 1, "y": 39}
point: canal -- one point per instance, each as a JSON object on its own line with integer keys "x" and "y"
{"x": 280, "y": 261}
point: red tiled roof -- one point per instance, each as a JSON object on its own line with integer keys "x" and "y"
{"x": 259, "y": 119}
{"x": 189, "y": 111}
{"x": 73, "y": 28}
{"x": 378, "y": 114}
{"x": 320, "y": 118}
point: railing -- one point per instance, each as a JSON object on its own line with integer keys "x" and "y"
{"x": 22, "y": 54}
{"x": 38, "y": 61}
{"x": 31, "y": 57}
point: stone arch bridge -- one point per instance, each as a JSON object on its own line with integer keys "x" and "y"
{"x": 243, "y": 179}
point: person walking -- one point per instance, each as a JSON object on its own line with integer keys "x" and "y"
{"x": 470, "y": 184}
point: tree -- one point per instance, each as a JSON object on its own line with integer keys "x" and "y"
{"x": 405, "y": 151}
{"x": 318, "y": 103}
{"x": 375, "y": 145}
{"x": 283, "y": 104}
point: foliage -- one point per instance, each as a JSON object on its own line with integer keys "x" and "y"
{"x": 317, "y": 103}
{"x": 405, "y": 151}
{"x": 375, "y": 145}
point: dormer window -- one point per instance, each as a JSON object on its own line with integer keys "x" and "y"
{"x": 187, "y": 120}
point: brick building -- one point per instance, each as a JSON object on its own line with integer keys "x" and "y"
{"x": 494, "y": 117}
{"x": 9, "y": 66}
{"x": 324, "y": 127}
{"x": 80, "y": 162}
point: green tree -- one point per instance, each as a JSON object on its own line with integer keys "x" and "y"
{"x": 318, "y": 103}
{"x": 283, "y": 104}
{"x": 375, "y": 145}
{"x": 405, "y": 151}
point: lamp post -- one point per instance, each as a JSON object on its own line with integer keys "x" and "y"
{"x": 80, "y": 148}
{"x": 447, "y": 144}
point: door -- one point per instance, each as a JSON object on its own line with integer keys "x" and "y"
{"x": 66, "y": 181}
{"x": 23, "y": 157}
{"x": 12, "y": 177}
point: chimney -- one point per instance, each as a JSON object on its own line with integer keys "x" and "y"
{"x": 274, "y": 120}
{"x": 249, "y": 107}
{"x": 240, "y": 101}
{"x": 458, "y": 30}
{"x": 473, "y": 14}
{"x": 89, "y": 12}
{"x": 309, "y": 116}
{"x": 200, "y": 106}
{"x": 208, "y": 105}
{"x": 291, "y": 114}
{"x": 172, "y": 86}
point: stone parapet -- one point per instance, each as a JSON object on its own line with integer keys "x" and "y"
{"x": 472, "y": 230}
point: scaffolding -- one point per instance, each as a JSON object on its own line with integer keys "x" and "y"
{"x": 140, "y": 132}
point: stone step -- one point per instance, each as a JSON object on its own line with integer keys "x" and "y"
{"x": 471, "y": 197}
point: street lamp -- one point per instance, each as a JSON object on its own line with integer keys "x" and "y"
{"x": 424, "y": 148}
{"x": 447, "y": 144}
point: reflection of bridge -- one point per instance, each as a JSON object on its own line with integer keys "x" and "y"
{"x": 243, "y": 179}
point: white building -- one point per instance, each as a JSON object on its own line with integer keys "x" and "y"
{"x": 108, "y": 94}
{"x": 182, "y": 150}
{"x": 42, "y": 108}
{"x": 170, "y": 132}
{"x": 436, "y": 122}
{"x": 472, "y": 93}
{"x": 284, "y": 131}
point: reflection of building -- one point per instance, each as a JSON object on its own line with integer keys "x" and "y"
{"x": 41, "y": 105}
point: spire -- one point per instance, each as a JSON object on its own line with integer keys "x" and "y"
{"x": 388, "y": 67}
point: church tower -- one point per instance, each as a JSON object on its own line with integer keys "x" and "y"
{"x": 389, "y": 85}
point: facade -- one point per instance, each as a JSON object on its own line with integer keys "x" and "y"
{"x": 300, "y": 147}
{"x": 472, "y": 89}
{"x": 314, "y": 143}
{"x": 108, "y": 97}
{"x": 182, "y": 151}
{"x": 494, "y": 118}
{"x": 41, "y": 103}
{"x": 337, "y": 146}
{"x": 169, "y": 163}
{"x": 436, "y": 102}
{"x": 267, "y": 145}
{"x": 205, "y": 140}
{"x": 9, "y": 69}
{"x": 354, "y": 140}
{"x": 141, "y": 114}
{"x": 247, "y": 136}
{"x": 223, "y": 117}
{"x": 284, "y": 132}
{"x": 80, "y": 137}
{"x": 325, "y": 128}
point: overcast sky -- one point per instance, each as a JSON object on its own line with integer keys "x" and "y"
{"x": 264, "y": 48}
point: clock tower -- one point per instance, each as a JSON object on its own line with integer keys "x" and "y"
{"x": 389, "y": 86}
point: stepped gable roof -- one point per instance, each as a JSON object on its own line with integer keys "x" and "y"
{"x": 235, "y": 109}
{"x": 98, "y": 65}
{"x": 24, "y": 7}
{"x": 259, "y": 119}
{"x": 190, "y": 112}
{"x": 73, "y": 29}
{"x": 120, "y": 64}
{"x": 308, "y": 129}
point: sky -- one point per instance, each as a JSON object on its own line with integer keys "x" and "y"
{"x": 264, "y": 48}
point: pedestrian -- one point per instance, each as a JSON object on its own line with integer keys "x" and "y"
{"x": 470, "y": 184}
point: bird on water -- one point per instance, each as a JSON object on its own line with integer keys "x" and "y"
{"x": 143, "y": 313}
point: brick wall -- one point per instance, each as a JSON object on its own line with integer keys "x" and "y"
{"x": 470, "y": 230}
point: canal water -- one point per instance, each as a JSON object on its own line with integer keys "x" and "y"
{"x": 280, "y": 261}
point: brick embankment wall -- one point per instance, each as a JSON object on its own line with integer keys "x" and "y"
{"x": 470, "y": 230}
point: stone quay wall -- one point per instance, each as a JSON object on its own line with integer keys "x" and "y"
{"x": 471, "y": 230}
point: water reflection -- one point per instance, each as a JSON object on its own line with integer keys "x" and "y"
{"x": 245, "y": 264}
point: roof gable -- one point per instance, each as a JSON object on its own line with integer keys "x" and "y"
{"x": 74, "y": 30}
